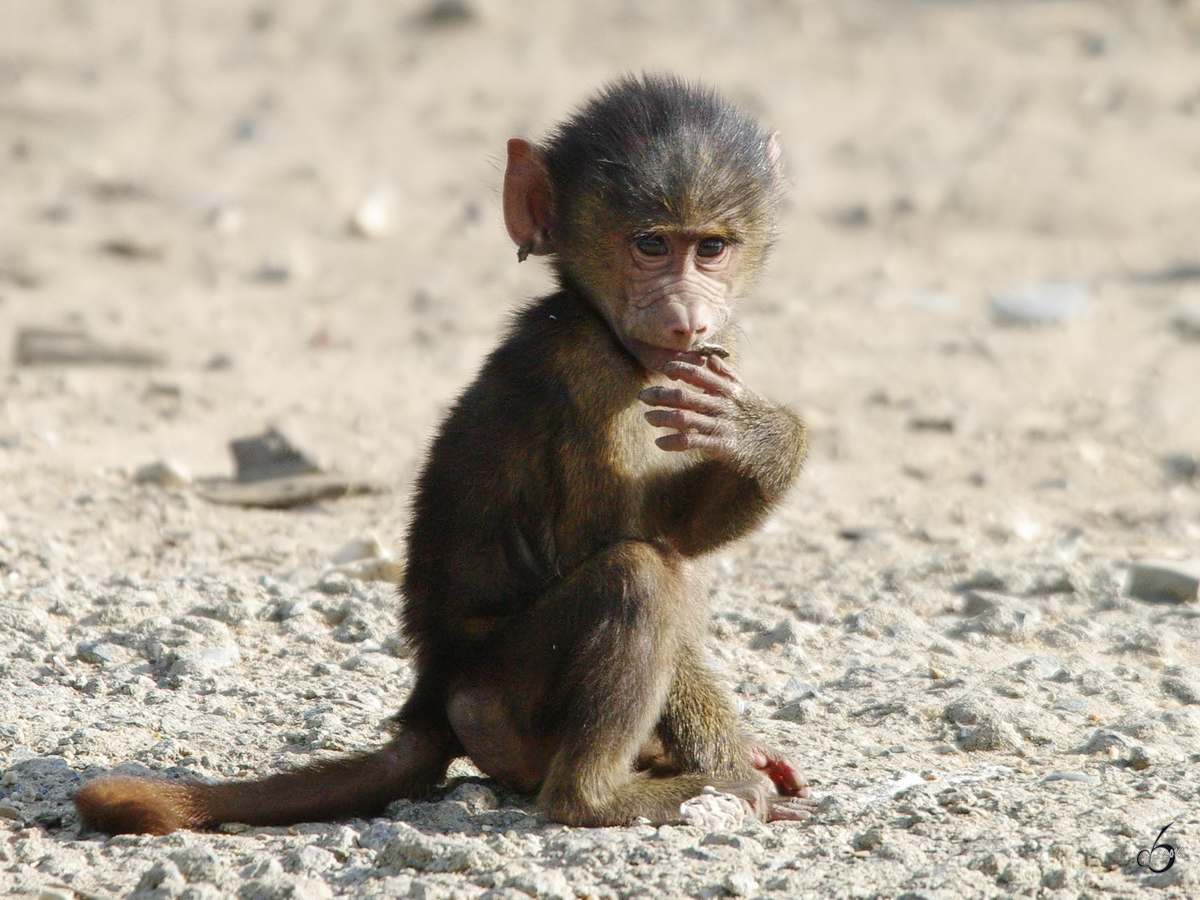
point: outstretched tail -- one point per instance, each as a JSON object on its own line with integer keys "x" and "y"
{"x": 356, "y": 786}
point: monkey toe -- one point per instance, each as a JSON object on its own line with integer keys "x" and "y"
{"x": 791, "y": 809}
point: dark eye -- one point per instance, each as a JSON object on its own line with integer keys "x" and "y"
{"x": 651, "y": 244}
{"x": 712, "y": 246}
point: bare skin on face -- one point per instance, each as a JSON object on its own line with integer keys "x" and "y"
{"x": 553, "y": 592}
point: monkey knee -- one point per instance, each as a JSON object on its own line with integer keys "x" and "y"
{"x": 642, "y": 576}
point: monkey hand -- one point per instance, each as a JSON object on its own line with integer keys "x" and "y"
{"x": 719, "y": 415}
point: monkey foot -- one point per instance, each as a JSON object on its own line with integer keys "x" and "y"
{"x": 780, "y": 769}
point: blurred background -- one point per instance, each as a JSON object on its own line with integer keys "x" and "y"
{"x": 984, "y": 298}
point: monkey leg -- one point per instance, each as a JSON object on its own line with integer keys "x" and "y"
{"x": 699, "y": 731}
{"x": 414, "y": 761}
{"x": 574, "y": 688}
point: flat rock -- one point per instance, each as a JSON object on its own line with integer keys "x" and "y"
{"x": 1164, "y": 581}
{"x": 75, "y": 347}
{"x": 1050, "y": 303}
{"x": 282, "y": 493}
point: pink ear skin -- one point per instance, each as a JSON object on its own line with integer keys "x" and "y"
{"x": 528, "y": 200}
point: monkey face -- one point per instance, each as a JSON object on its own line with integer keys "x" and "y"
{"x": 672, "y": 291}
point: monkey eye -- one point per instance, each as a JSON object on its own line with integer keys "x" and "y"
{"x": 712, "y": 246}
{"x": 651, "y": 244}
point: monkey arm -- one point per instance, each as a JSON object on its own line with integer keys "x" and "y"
{"x": 728, "y": 495}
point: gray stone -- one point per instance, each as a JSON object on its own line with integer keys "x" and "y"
{"x": 1164, "y": 581}
{"x": 1080, "y": 777}
{"x": 1048, "y": 303}
{"x": 102, "y": 652}
{"x": 165, "y": 473}
{"x": 1186, "y": 320}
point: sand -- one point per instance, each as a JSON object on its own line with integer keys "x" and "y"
{"x": 296, "y": 205}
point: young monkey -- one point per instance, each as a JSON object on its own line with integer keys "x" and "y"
{"x": 553, "y": 593}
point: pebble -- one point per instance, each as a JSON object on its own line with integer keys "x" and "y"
{"x": 102, "y": 652}
{"x": 1047, "y": 303}
{"x": 1080, "y": 777}
{"x": 1186, "y": 320}
{"x": 1180, "y": 467}
{"x": 1164, "y": 581}
{"x": 783, "y": 634}
{"x": 798, "y": 689}
{"x": 713, "y": 811}
{"x": 1182, "y": 684}
{"x": 1044, "y": 667}
{"x": 997, "y": 615}
{"x": 165, "y": 473}
{"x": 740, "y": 884}
{"x": 372, "y": 217}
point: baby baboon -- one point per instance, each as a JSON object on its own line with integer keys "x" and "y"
{"x": 553, "y": 593}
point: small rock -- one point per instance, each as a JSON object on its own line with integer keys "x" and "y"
{"x": 410, "y": 849}
{"x": 226, "y": 219}
{"x": 1104, "y": 742}
{"x": 292, "y": 264}
{"x": 713, "y": 811}
{"x": 448, "y": 14}
{"x": 1043, "y": 667}
{"x": 165, "y": 473}
{"x": 102, "y": 653}
{"x": 269, "y": 455}
{"x": 1186, "y": 320}
{"x": 1049, "y": 303}
{"x": 476, "y": 797}
{"x": 783, "y": 634}
{"x": 1181, "y": 684}
{"x": 1141, "y": 757}
{"x": 372, "y": 217}
{"x": 740, "y": 884}
{"x": 203, "y": 664}
{"x": 983, "y": 580}
{"x": 1080, "y": 777}
{"x": 1180, "y": 467}
{"x": 48, "y": 346}
{"x": 797, "y": 689}
{"x": 335, "y": 583}
{"x": 798, "y": 711}
{"x": 871, "y": 839}
{"x": 1164, "y": 581}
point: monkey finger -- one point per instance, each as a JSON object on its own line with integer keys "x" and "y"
{"x": 708, "y": 380}
{"x": 682, "y": 420}
{"x": 714, "y": 447}
{"x": 674, "y": 398}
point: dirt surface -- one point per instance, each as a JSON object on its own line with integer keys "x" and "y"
{"x": 936, "y": 624}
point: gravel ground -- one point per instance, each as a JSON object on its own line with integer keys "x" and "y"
{"x": 297, "y": 205}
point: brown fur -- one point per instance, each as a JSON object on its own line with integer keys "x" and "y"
{"x": 553, "y": 592}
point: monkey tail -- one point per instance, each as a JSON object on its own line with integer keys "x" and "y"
{"x": 356, "y": 786}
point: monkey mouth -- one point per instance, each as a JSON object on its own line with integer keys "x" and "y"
{"x": 654, "y": 357}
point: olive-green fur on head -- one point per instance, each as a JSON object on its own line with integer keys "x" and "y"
{"x": 657, "y": 152}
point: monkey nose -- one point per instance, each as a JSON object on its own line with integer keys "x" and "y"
{"x": 691, "y": 327}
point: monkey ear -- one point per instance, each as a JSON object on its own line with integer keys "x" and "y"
{"x": 528, "y": 200}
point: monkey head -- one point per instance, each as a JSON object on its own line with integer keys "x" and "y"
{"x": 658, "y": 201}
